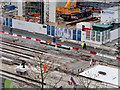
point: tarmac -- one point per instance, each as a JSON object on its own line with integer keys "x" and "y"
{"x": 110, "y": 50}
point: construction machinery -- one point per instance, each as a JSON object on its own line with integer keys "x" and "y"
{"x": 69, "y": 12}
{"x": 33, "y": 17}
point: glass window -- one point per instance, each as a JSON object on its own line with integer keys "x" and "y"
{"x": 98, "y": 36}
{"x": 102, "y": 36}
{"x": 93, "y": 35}
{"x": 88, "y": 34}
{"x": 105, "y": 36}
{"x": 108, "y": 34}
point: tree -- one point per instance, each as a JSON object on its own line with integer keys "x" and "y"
{"x": 37, "y": 71}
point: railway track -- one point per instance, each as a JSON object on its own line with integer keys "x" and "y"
{"x": 23, "y": 47}
{"x": 15, "y": 76}
{"x": 16, "y": 53}
{"x": 19, "y": 50}
{"x": 52, "y": 56}
{"x": 20, "y": 78}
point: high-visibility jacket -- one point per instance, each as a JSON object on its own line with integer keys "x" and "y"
{"x": 45, "y": 67}
{"x": 82, "y": 44}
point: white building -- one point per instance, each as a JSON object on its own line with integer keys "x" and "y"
{"x": 105, "y": 74}
{"x": 110, "y": 15}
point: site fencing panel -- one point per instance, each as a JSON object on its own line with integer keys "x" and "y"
{"x": 10, "y": 22}
{"x": 52, "y": 30}
{"x": 1, "y": 20}
{"x": 66, "y": 33}
{"x": 74, "y": 34}
{"x": 6, "y": 22}
{"x": 48, "y": 29}
{"x": 114, "y": 34}
{"x": 79, "y": 35}
{"x": 29, "y": 26}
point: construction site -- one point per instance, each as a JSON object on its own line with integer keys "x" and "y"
{"x": 55, "y": 44}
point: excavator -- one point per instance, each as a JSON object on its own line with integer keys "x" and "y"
{"x": 69, "y": 13}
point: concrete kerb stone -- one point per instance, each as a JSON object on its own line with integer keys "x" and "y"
{"x": 93, "y": 45}
{"x": 59, "y": 45}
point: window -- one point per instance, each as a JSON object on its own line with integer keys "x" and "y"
{"x": 102, "y": 36}
{"x": 93, "y": 35}
{"x": 98, "y": 36}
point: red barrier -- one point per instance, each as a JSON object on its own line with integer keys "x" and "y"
{"x": 10, "y": 33}
{"x": 46, "y": 41}
{"x": 58, "y": 44}
{"x": 38, "y": 40}
{"x": 92, "y": 52}
{"x": 117, "y": 58}
{"x": 75, "y": 48}
{"x": 28, "y": 37}
{"x": 2, "y": 32}
{"x": 19, "y": 35}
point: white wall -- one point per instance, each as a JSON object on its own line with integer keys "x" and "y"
{"x": 46, "y": 11}
{"x": 29, "y": 26}
{"x": 20, "y": 7}
{"x": 52, "y": 11}
{"x": 114, "y": 34}
{"x": 110, "y": 15}
{"x": 83, "y": 36}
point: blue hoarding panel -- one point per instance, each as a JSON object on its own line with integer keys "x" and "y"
{"x": 6, "y": 21}
{"x": 74, "y": 34}
{"x": 79, "y": 35}
{"x": 10, "y": 22}
{"x": 52, "y": 30}
{"x": 48, "y": 29}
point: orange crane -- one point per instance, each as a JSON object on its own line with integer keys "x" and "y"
{"x": 69, "y": 12}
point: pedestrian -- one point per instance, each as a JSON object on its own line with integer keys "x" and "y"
{"x": 81, "y": 70}
{"x": 49, "y": 42}
{"x": 82, "y": 44}
{"x": 3, "y": 28}
{"x": 54, "y": 39}
{"x": 29, "y": 65}
{"x": 99, "y": 10}
{"x": 84, "y": 47}
{"x": 23, "y": 63}
{"x": 91, "y": 62}
{"x": 11, "y": 30}
{"x": 78, "y": 70}
{"x": 72, "y": 71}
{"x": 94, "y": 62}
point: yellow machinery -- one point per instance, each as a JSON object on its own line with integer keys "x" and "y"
{"x": 77, "y": 13}
{"x": 68, "y": 9}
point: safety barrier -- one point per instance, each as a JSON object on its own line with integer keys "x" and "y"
{"x": 60, "y": 45}
{"x": 66, "y": 33}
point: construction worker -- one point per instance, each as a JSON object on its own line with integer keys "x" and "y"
{"x": 91, "y": 62}
{"x": 54, "y": 39}
{"x": 82, "y": 44}
{"x": 84, "y": 47}
{"x": 99, "y": 10}
{"x": 29, "y": 65}
{"x": 49, "y": 42}
{"x": 23, "y": 63}
{"x": 11, "y": 30}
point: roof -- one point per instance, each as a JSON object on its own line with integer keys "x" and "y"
{"x": 116, "y": 8}
{"x": 103, "y": 73}
{"x": 102, "y": 26}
